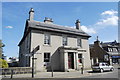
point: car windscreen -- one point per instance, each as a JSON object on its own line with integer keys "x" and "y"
{"x": 97, "y": 64}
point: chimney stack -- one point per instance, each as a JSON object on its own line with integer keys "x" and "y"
{"x": 31, "y": 14}
{"x": 48, "y": 20}
{"x": 78, "y": 24}
{"x": 97, "y": 42}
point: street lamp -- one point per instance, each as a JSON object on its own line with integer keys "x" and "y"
{"x": 51, "y": 67}
{"x": 33, "y": 58}
{"x": 82, "y": 68}
{"x": 33, "y": 52}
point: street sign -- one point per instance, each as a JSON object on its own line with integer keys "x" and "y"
{"x": 38, "y": 53}
{"x": 36, "y": 49}
{"x": 28, "y": 54}
{"x": 34, "y": 58}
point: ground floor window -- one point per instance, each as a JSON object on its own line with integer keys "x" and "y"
{"x": 80, "y": 58}
{"x": 46, "y": 57}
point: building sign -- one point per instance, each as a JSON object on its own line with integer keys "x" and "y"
{"x": 106, "y": 58}
{"x": 115, "y": 56}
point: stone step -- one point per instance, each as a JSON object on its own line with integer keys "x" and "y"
{"x": 71, "y": 70}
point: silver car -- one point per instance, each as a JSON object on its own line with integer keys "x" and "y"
{"x": 102, "y": 66}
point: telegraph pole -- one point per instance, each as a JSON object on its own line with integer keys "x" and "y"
{"x": 33, "y": 64}
{"x": 82, "y": 68}
{"x": 33, "y": 58}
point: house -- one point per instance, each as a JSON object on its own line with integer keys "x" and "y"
{"x": 105, "y": 52}
{"x": 12, "y": 61}
{"x": 60, "y": 48}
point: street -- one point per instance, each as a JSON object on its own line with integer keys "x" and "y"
{"x": 70, "y": 76}
{"x": 88, "y": 75}
{"x": 114, "y": 74}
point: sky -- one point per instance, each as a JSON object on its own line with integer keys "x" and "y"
{"x": 60, "y": 0}
{"x": 97, "y": 19}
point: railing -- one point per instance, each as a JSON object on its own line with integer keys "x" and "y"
{"x": 16, "y": 70}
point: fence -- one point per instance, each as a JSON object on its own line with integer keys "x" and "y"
{"x": 16, "y": 70}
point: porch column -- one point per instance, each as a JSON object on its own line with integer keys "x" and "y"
{"x": 96, "y": 60}
{"x": 65, "y": 61}
{"x": 111, "y": 61}
{"x": 76, "y": 61}
{"x": 92, "y": 62}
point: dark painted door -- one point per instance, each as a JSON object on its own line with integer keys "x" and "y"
{"x": 70, "y": 60}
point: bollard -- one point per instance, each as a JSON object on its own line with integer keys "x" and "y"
{"x": 11, "y": 73}
{"x": 4, "y": 72}
{"x": 81, "y": 70}
{"x": 52, "y": 71}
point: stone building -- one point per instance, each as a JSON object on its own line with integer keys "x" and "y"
{"x": 105, "y": 52}
{"x": 62, "y": 48}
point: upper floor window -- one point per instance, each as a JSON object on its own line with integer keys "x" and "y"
{"x": 79, "y": 42}
{"x": 46, "y": 57}
{"x": 114, "y": 49}
{"x": 47, "y": 39}
{"x": 110, "y": 49}
{"x": 64, "y": 41}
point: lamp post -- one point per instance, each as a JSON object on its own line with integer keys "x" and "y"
{"x": 51, "y": 67}
{"x": 33, "y": 52}
{"x": 82, "y": 68}
{"x": 33, "y": 64}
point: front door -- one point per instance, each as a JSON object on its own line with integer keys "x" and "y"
{"x": 70, "y": 60}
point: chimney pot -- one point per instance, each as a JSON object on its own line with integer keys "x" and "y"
{"x": 48, "y": 20}
{"x": 78, "y": 24}
{"x": 31, "y": 14}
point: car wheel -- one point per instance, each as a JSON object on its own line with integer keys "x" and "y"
{"x": 101, "y": 70}
{"x": 111, "y": 69}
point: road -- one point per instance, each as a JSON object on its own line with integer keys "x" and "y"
{"x": 71, "y": 76}
{"x": 114, "y": 74}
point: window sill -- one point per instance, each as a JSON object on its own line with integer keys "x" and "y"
{"x": 47, "y": 45}
{"x": 79, "y": 47}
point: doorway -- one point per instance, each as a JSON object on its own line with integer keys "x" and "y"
{"x": 70, "y": 60}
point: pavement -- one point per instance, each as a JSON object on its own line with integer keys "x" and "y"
{"x": 73, "y": 74}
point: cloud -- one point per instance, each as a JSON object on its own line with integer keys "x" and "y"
{"x": 111, "y": 21}
{"x": 109, "y": 12}
{"x": 88, "y": 30}
{"x": 109, "y": 18}
{"x": 85, "y": 29}
{"x": 9, "y": 27}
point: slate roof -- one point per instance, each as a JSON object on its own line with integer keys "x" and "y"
{"x": 110, "y": 44}
{"x": 52, "y": 27}
{"x": 57, "y": 28}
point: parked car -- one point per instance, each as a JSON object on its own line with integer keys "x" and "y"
{"x": 102, "y": 66}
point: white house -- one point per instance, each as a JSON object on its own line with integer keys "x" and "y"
{"x": 62, "y": 48}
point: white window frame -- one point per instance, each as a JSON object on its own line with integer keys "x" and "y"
{"x": 48, "y": 56}
{"x": 80, "y": 58}
{"x": 64, "y": 40}
{"x": 47, "y": 39}
{"x": 79, "y": 42}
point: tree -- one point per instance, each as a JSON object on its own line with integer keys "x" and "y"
{"x": 3, "y": 63}
{"x": 1, "y": 48}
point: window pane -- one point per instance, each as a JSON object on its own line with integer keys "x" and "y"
{"x": 64, "y": 41}
{"x": 46, "y": 39}
{"x": 46, "y": 57}
{"x": 79, "y": 55}
{"x": 80, "y": 58}
{"x": 79, "y": 42}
